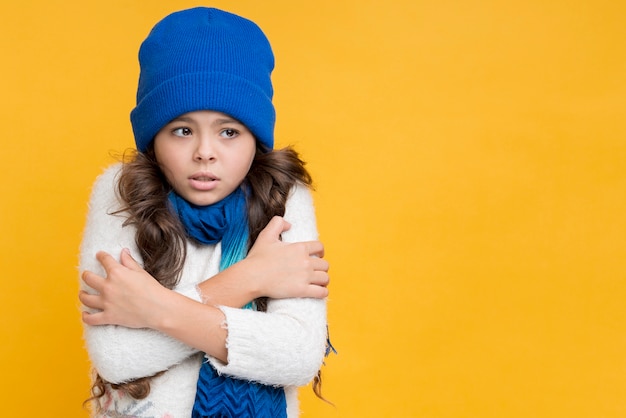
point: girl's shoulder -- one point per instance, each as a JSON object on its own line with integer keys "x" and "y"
{"x": 299, "y": 196}
{"x": 300, "y": 213}
{"x": 108, "y": 177}
{"x": 103, "y": 189}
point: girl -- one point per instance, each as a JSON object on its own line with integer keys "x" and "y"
{"x": 187, "y": 207}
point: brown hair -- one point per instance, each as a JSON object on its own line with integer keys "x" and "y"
{"x": 160, "y": 236}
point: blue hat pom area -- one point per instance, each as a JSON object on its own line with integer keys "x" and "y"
{"x": 204, "y": 59}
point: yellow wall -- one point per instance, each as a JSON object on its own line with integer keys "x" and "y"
{"x": 469, "y": 158}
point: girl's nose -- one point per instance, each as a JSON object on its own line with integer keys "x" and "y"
{"x": 204, "y": 150}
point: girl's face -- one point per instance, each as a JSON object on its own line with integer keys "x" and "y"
{"x": 204, "y": 155}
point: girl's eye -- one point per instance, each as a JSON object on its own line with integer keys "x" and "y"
{"x": 229, "y": 133}
{"x": 182, "y": 131}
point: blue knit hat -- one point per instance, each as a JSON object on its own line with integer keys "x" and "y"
{"x": 204, "y": 59}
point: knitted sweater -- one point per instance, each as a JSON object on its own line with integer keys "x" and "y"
{"x": 283, "y": 346}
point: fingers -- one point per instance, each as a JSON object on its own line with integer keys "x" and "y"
{"x": 90, "y": 301}
{"x": 319, "y": 280}
{"x": 128, "y": 261}
{"x": 107, "y": 261}
{"x": 96, "y": 318}
{"x": 276, "y": 226}
{"x": 319, "y": 264}
{"x": 93, "y": 280}
{"x": 317, "y": 292}
{"x": 315, "y": 248}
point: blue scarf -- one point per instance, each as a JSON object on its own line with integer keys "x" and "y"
{"x": 219, "y": 396}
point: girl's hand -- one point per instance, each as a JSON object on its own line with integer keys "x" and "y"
{"x": 285, "y": 270}
{"x": 273, "y": 268}
{"x": 127, "y": 296}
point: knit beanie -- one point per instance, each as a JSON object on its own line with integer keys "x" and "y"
{"x": 204, "y": 59}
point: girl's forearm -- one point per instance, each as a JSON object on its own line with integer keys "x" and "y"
{"x": 200, "y": 326}
{"x": 232, "y": 287}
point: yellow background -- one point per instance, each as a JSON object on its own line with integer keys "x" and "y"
{"x": 471, "y": 193}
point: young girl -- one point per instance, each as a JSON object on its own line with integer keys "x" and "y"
{"x": 187, "y": 207}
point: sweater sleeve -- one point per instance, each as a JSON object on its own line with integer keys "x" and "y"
{"x": 285, "y": 345}
{"x": 118, "y": 353}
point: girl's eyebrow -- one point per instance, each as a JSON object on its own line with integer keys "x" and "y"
{"x": 224, "y": 121}
{"x": 182, "y": 119}
{"x": 219, "y": 121}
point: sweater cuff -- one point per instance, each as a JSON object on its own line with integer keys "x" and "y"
{"x": 242, "y": 346}
{"x": 284, "y": 346}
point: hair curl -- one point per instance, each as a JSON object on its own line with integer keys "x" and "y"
{"x": 161, "y": 237}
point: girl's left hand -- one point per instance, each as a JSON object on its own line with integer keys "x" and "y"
{"x": 127, "y": 296}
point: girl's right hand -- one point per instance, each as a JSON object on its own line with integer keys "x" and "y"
{"x": 126, "y": 295}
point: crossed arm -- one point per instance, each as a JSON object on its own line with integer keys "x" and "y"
{"x": 161, "y": 328}
{"x": 128, "y": 296}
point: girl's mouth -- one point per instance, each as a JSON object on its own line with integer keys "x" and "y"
{"x": 204, "y": 176}
{"x": 203, "y": 181}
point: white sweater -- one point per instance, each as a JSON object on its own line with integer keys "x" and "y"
{"x": 283, "y": 346}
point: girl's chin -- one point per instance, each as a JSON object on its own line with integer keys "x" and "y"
{"x": 202, "y": 198}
